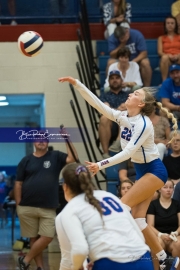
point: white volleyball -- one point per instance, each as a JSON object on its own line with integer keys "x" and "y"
{"x": 30, "y": 43}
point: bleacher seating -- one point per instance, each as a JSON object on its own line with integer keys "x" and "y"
{"x": 31, "y": 10}
{"x": 149, "y": 10}
{"x": 102, "y": 54}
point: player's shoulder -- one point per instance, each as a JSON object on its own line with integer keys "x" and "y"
{"x": 100, "y": 194}
{"x": 144, "y": 122}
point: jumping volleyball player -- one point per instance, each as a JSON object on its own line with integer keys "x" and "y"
{"x": 137, "y": 142}
{"x": 95, "y": 223}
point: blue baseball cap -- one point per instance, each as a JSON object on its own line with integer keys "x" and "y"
{"x": 174, "y": 67}
{"x": 115, "y": 72}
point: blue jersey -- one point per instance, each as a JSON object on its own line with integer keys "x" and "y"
{"x": 171, "y": 91}
{"x": 136, "y": 43}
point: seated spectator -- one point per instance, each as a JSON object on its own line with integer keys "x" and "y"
{"x": 134, "y": 40}
{"x": 114, "y": 13}
{"x": 124, "y": 187}
{"x": 115, "y": 98}
{"x": 169, "y": 46}
{"x": 175, "y": 11}
{"x": 176, "y": 195}
{"x": 127, "y": 171}
{"x": 129, "y": 71}
{"x": 170, "y": 91}
{"x": 172, "y": 161}
{"x": 163, "y": 216}
{"x": 161, "y": 132}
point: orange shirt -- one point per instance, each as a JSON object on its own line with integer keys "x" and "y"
{"x": 171, "y": 46}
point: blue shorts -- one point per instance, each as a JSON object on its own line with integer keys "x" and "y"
{"x": 155, "y": 167}
{"x": 144, "y": 263}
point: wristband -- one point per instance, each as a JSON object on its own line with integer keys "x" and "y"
{"x": 175, "y": 233}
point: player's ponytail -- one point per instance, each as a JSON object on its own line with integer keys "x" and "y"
{"x": 78, "y": 179}
{"x": 169, "y": 115}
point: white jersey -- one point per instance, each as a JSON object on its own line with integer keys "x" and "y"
{"x": 82, "y": 232}
{"x": 132, "y": 74}
{"x": 137, "y": 132}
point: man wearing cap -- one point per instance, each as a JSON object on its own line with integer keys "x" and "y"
{"x": 115, "y": 98}
{"x": 170, "y": 91}
{"x": 133, "y": 39}
{"x": 36, "y": 196}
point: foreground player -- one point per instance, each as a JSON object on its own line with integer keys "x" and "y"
{"x": 96, "y": 223}
{"x": 137, "y": 142}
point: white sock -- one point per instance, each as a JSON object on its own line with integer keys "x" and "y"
{"x": 161, "y": 255}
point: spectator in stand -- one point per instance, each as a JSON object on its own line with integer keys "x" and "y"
{"x": 129, "y": 71}
{"x": 124, "y": 187}
{"x": 127, "y": 171}
{"x": 115, "y": 98}
{"x": 176, "y": 195}
{"x": 133, "y": 39}
{"x": 114, "y": 13}
{"x": 169, "y": 46}
{"x": 163, "y": 216}
{"x": 175, "y": 11}
{"x": 161, "y": 132}
{"x": 172, "y": 161}
{"x": 170, "y": 91}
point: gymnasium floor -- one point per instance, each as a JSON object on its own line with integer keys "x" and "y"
{"x": 8, "y": 257}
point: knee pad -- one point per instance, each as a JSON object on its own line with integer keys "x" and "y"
{"x": 141, "y": 222}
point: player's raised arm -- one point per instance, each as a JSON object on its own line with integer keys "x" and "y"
{"x": 92, "y": 99}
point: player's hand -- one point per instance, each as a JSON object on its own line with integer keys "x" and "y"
{"x": 92, "y": 167}
{"x": 67, "y": 79}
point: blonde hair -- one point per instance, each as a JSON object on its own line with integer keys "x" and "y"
{"x": 150, "y": 103}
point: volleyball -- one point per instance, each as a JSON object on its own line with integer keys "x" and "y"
{"x": 30, "y": 43}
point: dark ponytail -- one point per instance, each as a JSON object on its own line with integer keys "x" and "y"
{"x": 78, "y": 179}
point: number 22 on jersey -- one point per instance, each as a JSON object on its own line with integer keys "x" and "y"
{"x": 126, "y": 134}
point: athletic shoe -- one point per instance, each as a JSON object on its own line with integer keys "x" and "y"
{"x": 164, "y": 265}
{"x": 22, "y": 265}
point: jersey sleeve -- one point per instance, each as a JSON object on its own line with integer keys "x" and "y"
{"x": 138, "y": 138}
{"x": 79, "y": 246}
{"x": 96, "y": 102}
